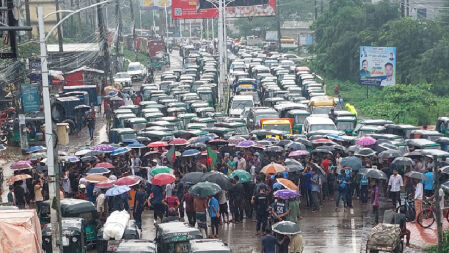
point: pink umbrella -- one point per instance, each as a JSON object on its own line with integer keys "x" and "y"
{"x": 365, "y": 141}
{"x": 298, "y": 153}
{"x": 128, "y": 180}
{"x": 105, "y": 184}
{"x": 178, "y": 141}
{"x": 105, "y": 165}
{"x": 21, "y": 165}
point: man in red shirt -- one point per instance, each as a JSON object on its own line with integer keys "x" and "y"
{"x": 172, "y": 203}
{"x": 325, "y": 164}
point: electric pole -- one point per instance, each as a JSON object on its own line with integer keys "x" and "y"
{"x": 27, "y": 18}
{"x": 119, "y": 31}
{"x": 104, "y": 47}
{"x": 58, "y": 18}
{"x": 278, "y": 23}
{"x": 438, "y": 211}
{"x": 133, "y": 18}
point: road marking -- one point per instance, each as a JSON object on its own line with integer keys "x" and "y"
{"x": 353, "y": 237}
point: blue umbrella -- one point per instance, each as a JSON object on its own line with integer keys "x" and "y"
{"x": 136, "y": 145}
{"x": 191, "y": 152}
{"x": 35, "y": 149}
{"x": 296, "y": 146}
{"x": 120, "y": 151}
{"x": 204, "y": 139}
{"x": 117, "y": 190}
{"x": 98, "y": 170}
{"x": 352, "y": 162}
{"x": 277, "y": 186}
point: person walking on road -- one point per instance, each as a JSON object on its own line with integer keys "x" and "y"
{"x": 200, "y": 205}
{"x": 214, "y": 215}
{"x": 419, "y": 193}
{"x": 315, "y": 180}
{"x": 260, "y": 202}
{"x": 139, "y": 203}
{"x": 190, "y": 208}
{"x": 395, "y": 183}
{"x": 91, "y": 122}
{"x": 375, "y": 200}
{"x": 268, "y": 242}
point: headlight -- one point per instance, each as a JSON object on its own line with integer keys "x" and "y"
{"x": 74, "y": 239}
{"x": 47, "y": 240}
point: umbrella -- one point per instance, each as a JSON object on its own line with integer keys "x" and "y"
{"x": 352, "y": 149}
{"x": 117, "y": 190}
{"x": 83, "y": 152}
{"x": 365, "y": 152}
{"x": 82, "y": 107}
{"x": 163, "y": 179}
{"x": 98, "y": 170}
{"x": 286, "y": 194}
{"x": 246, "y": 144}
{"x": 218, "y": 142}
{"x": 21, "y": 165}
{"x": 203, "y": 139}
{"x": 2, "y": 147}
{"x": 275, "y": 149}
{"x": 37, "y": 156}
{"x": 120, "y": 151}
{"x": 418, "y": 175}
{"x": 35, "y": 149}
{"x": 205, "y": 189}
{"x": 445, "y": 169}
{"x": 415, "y": 153}
{"x": 136, "y": 145}
{"x": 365, "y": 141}
{"x": 128, "y": 180}
{"x": 243, "y": 175}
{"x": 321, "y": 150}
{"x": 192, "y": 177}
{"x": 103, "y": 147}
{"x": 352, "y": 162}
{"x": 71, "y": 159}
{"x": 105, "y": 165}
{"x": 293, "y": 165}
{"x": 287, "y": 184}
{"x": 151, "y": 152}
{"x": 178, "y": 141}
{"x": 191, "y": 152}
{"x": 234, "y": 140}
{"x": 219, "y": 178}
{"x": 197, "y": 145}
{"x": 19, "y": 177}
{"x": 375, "y": 173}
{"x": 115, "y": 98}
{"x": 88, "y": 159}
{"x": 286, "y": 228}
{"x": 157, "y": 144}
{"x": 403, "y": 161}
{"x": 105, "y": 184}
{"x": 143, "y": 139}
{"x": 95, "y": 178}
{"x": 160, "y": 169}
{"x": 285, "y": 142}
{"x": 391, "y": 153}
{"x": 129, "y": 141}
{"x": 296, "y": 146}
{"x": 322, "y": 141}
{"x": 277, "y": 186}
{"x": 298, "y": 153}
{"x": 273, "y": 168}
{"x": 303, "y": 141}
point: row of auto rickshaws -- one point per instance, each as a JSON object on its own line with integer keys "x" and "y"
{"x": 81, "y": 231}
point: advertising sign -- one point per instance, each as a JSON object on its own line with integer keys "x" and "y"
{"x": 192, "y": 9}
{"x": 377, "y": 66}
{"x": 30, "y": 97}
{"x": 154, "y": 4}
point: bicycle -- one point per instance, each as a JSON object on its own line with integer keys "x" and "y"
{"x": 427, "y": 216}
{"x": 408, "y": 208}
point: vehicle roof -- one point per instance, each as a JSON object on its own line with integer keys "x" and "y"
{"x": 298, "y": 112}
{"x": 427, "y": 132}
{"x": 208, "y": 245}
{"x": 421, "y": 142}
{"x": 137, "y": 246}
{"x": 123, "y": 130}
{"x": 275, "y": 121}
{"x": 319, "y": 120}
{"x": 242, "y": 97}
{"x": 176, "y": 227}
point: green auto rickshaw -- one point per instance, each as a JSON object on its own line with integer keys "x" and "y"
{"x": 198, "y": 126}
{"x": 175, "y": 236}
{"x": 186, "y": 117}
{"x": 119, "y": 120}
{"x": 174, "y": 111}
{"x": 175, "y": 120}
{"x": 136, "y": 123}
{"x": 153, "y": 116}
{"x": 134, "y": 108}
{"x": 209, "y": 121}
{"x": 73, "y": 236}
{"x": 117, "y": 135}
{"x": 346, "y": 124}
{"x": 203, "y": 111}
{"x": 205, "y": 94}
{"x": 157, "y": 135}
{"x": 35, "y": 133}
{"x": 299, "y": 117}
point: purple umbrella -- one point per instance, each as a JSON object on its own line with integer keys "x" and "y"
{"x": 365, "y": 141}
{"x": 298, "y": 153}
{"x": 234, "y": 140}
{"x": 286, "y": 194}
{"x": 21, "y": 165}
{"x": 246, "y": 144}
{"x": 103, "y": 147}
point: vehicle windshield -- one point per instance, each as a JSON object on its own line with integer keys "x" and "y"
{"x": 178, "y": 247}
{"x": 318, "y": 127}
{"x": 266, "y": 116}
{"x": 122, "y": 75}
{"x": 300, "y": 118}
{"x": 139, "y": 126}
{"x": 280, "y": 127}
{"x": 345, "y": 125}
{"x": 133, "y": 68}
{"x": 130, "y": 136}
{"x": 241, "y": 104}
{"x": 242, "y": 130}
{"x": 321, "y": 109}
{"x": 206, "y": 96}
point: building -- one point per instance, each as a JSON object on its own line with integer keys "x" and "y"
{"x": 298, "y": 30}
{"x": 48, "y": 6}
{"x": 430, "y": 9}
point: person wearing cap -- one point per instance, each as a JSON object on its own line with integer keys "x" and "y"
{"x": 81, "y": 192}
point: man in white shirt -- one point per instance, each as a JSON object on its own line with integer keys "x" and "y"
{"x": 395, "y": 183}
{"x": 241, "y": 164}
{"x": 419, "y": 191}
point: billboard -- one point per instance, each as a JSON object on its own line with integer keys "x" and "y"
{"x": 195, "y": 9}
{"x": 377, "y": 66}
{"x": 154, "y": 4}
{"x": 30, "y": 97}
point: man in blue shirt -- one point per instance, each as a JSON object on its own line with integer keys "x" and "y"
{"x": 156, "y": 202}
{"x": 269, "y": 242}
{"x": 428, "y": 183}
{"x": 214, "y": 216}
{"x": 315, "y": 184}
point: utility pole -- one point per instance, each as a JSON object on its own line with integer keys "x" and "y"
{"x": 316, "y": 10}
{"x": 27, "y": 18}
{"x": 104, "y": 47}
{"x": 52, "y": 179}
{"x": 221, "y": 76}
{"x": 58, "y": 18}
{"x": 119, "y": 31}
{"x": 278, "y": 23}
{"x": 134, "y": 27}
{"x": 437, "y": 204}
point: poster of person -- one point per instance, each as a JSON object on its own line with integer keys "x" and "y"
{"x": 377, "y": 66}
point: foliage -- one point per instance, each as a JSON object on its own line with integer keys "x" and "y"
{"x": 131, "y": 56}
{"x": 434, "y": 249}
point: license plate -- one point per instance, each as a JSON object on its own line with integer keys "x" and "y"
{"x": 65, "y": 241}
{"x": 113, "y": 245}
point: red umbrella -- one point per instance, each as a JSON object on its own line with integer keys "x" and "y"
{"x": 106, "y": 184}
{"x": 178, "y": 141}
{"x": 128, "y": 180}
{"x": 95, "y": 178}
{"x": 163, "y": 179}
{"x": 157, "y": 144}
{"x": 19, "y": 178}
{"x": 105, "y": 165}
{"x": 322, "y": 140}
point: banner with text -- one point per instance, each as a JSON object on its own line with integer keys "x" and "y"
{"x": 154, "y": 4}
{"x": 30, "y": 97}
{"x": 377, "y": 66}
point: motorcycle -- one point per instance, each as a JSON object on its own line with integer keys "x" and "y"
{"x": 4, "y": 133}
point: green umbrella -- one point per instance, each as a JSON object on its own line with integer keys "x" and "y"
{"x": 205, "y": 189}
{"x": 243, "y": 175}
{"x": 161, "y": 169}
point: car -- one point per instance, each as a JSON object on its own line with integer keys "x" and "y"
{"x": 137, "y": 71}
{"x": 239, "y": 103}
{"x": 292, "y": 57}
{"x": 123, "y": 78}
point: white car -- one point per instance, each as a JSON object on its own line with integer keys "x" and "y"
{"x": 137, "y": 71}
{"x": 239, "y": 104}
{"x": 123, "y": 78}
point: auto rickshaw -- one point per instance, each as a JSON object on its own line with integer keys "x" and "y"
{"x": 175, "y": 120}
{"x": 425, "y": 134}
{"x": 186, "y": 117}
{"x": 163, "y": 123}
{"x": 422, "y": 144}
{"x": 209, "y": 121}
{"x": 35, "y": 133}
{"x": 136, "y": 123}
{"x": 131, "y": 232}
{"x": 119, "y": 120}
{"x": 153, "y": 116}
{"x": 175, "y": 236}
{"x": 73, "y": 236}
{"x": 208, "y": 245}
{"x": 203, "y": 111}
{"x": 157, "y": 135}
{"x": 136, "y": 246}
{"x": 369, "y": 129}
{"x": 206, "y": 94}
{"x": 346, "y": 124}
{"x": 198, "y": 126}
{"x": 299, "y": 116}
{"x": 134, "y": 108}
{"x": 400, "y": 129}
{"x": 174, "y": 111}
{"x": 442, "y": 125}
{"x": 117, "y": 135}
{"x": 238, "y": 127}
{"x": 122, "y": 111}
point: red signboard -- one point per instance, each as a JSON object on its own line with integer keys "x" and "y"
{"x": 189, "y": 9}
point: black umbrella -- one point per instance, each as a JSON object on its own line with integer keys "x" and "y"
{"x": 275, "y": 149}
{"x": 365, "y": 152}
{"x": 303, "y": 141}
{"x": 352, "y": 162}
{"x": 403, "y": 161}
{"x": 88, "y": 159}
{"x": 353, "y": 149}
{"x": 293, "y": 165}
{"x": 205, "y": 189}
{"x": 197, "y": 145}
{"x": 391, "y": 153}
{"x": 217, "y": 177}
{"x": 192, "y": 177}
{"x": 284, "y": 143}
{"x": 296, "y": 146}
{"x": 321, "y": 151}
{"x": 286, "y": 228}
{"x": 416, "y": 175}
{"x": 377, "y": 174}
{"x": 445, "y": 169}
